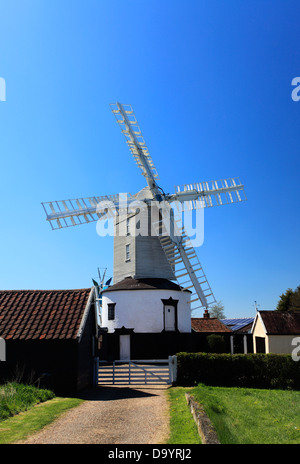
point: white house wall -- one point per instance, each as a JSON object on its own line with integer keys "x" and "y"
{"x": 259, "y": 331}
{"x": 280, "y": 344}
{"x": 142, "y": 310}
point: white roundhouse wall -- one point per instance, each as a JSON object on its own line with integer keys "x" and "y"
{"x": 142, "y": 310}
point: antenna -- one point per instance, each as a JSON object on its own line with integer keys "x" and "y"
{"x": 256, "y": 305}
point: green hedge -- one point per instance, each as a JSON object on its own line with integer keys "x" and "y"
{"x": 238, "y": 370}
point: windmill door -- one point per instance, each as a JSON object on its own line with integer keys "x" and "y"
{"x": 124, "y": 347}
{"x": 170, "y": 318}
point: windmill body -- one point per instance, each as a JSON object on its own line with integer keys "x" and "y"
{"x": 157, "y": 278}
{"x": 138, "y": 253}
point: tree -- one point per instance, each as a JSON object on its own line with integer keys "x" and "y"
{"x": 217, "y": 310}
{"x": 290, "y": 300}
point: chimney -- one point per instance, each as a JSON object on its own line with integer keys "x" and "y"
{"x": 206, "y": 314}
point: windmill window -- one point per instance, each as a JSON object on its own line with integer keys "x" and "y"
{"x": 127, "y": 253}
{"x": 111, "y": 311}
{"x": 127, "y": 227}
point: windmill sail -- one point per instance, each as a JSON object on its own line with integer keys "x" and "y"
{"x": 177, "y": 247}
{"x": 128, "y": 123}
{"x": 68, "y": 213}
{"x": 207, "y": 194}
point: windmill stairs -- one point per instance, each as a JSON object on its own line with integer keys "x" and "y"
{"x": 184, "y": 261}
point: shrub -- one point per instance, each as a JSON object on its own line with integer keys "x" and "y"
{"x": 238, "y": 370}
{"x": 15, "y": 398}
{"x": 216, "y": 343}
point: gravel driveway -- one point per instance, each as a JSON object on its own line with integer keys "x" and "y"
{"x": 112, "y": 415}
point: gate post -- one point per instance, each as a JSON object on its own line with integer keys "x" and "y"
{"x": 96, "y": 372}
{"x": 2, "y": 349}
{"x": 172, "y": 369}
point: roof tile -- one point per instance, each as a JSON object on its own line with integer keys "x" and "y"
{"x": 40, "y": 314}
{"x": 281, "y": 322}
{"x": 208, "y": 324}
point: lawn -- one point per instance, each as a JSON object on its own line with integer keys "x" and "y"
{"x": 246, "y": 416}
{"x": 183, "y": 429}
{"x": 25, "y": 409}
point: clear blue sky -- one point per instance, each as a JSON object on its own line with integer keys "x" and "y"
{"x": 210, "y": 83}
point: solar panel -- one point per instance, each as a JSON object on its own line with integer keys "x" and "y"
{"x": 236, "y": 324}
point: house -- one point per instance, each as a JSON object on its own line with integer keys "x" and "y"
{"x": 145, "y": 318}
{"x": 274, "y": 331}
{"x": 49, "y": 335}
{"x": 241, "y": 340}
{"x": 204, "y": 326}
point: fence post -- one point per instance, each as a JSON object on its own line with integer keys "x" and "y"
{"x": 172, "y": 369}
{"x": 2, "y": 350}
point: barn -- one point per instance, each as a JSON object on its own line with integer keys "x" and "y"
{"x": 50, "y": 337}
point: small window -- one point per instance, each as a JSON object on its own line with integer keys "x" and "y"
{"x": 127, "y": 253}
{"x": 127, "y": 227}
{"x": 111, "y": 311}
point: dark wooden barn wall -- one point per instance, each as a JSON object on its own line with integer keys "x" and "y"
{"x": 64, "y": 366}
{"x": 86, "y": 350}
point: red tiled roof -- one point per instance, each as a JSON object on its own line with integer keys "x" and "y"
{"x": 208, "y": 324}
{"x": 42, "y": 314}
{"x": 281, "y": 322}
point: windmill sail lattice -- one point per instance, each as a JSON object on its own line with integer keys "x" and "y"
{"x": 175, "y": 245}
{"x": 208, "y": 194}
{"x": 128, "y": 123}
{"x": 68, "y": 213}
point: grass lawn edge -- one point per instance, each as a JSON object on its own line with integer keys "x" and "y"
{"x": 19, "y": 427}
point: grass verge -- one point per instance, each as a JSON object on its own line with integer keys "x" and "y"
{"x": 16, "y": 397}
{"x": 20, "y": 426}
{"x": 252, "y": 416}
{"x": 183, "y": 429}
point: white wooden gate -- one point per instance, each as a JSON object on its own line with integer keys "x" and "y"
{"x": 137, "y": 372}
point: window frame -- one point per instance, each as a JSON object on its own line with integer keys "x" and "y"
{"x": 127, "y": 252}
{"x": 111, "y": 310}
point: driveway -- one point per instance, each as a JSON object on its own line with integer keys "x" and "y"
{"x": 112, "y": 415}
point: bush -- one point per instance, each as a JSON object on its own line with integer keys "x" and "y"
{"x": 15, "y": 398}
{"x": 238, "y": 370}
{"x": 216, "y": 343}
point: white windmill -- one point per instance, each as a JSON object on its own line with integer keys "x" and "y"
{"x": 184, "y": 265}
{"x": 166, "y": 252}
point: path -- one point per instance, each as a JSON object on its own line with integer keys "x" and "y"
{"x": 112, "y": 415}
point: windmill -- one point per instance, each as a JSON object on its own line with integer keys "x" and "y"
{"x": 168, "y": 252}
